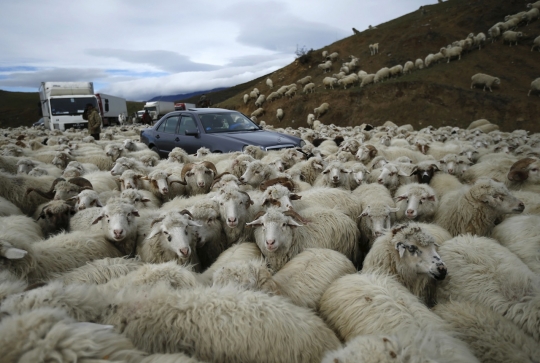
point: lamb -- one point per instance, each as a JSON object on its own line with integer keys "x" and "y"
{"x": 484, "y": 272}
{"x": 475, "y": 209}
{"x": 260, "y": 101}
{"x": 381, "y": 75}
{"x": 371, "y": 303}
{"x": 408, "y": 67}
{"x": 309, "y": 88}
{"x": 329, "y": 82}
{"x": 169, "y": 237}
{"x": 452, "y": 52}
{"x": 321, "y": 110}
{"x": 335, "y": 175}
{"x": 304, "y": 81}
{"x": 409, "y": 253}
{"x": 536, "y": 43}
{"x": 279, "y": 240}
{"x": 269, "y": 83}
{"x": 374, "y": 48}
{"x": 279, "y": 114}
{"x": 535, "y": 87}
{"x": 512, "y": 36}
{"x": 323, "y": 266}
{"x": 419, "y": 63}
{"x": 520, "y": 235}
{"x": 416, "y": 201}
{"x": 484, "y": 80}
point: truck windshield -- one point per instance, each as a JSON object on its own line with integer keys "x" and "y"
{"x": 70, "y": 106}
{"x": 150, "y": 109}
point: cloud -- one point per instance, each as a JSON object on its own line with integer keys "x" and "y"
{"x": 34, "y": 79}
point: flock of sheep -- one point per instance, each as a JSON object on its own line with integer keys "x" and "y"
{"x": 368, "y": 244}
{"x": 350, "y": 75}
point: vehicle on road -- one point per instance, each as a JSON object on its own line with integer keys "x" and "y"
{"x": 217, "y": 129}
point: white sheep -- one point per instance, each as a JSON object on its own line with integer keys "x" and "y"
{"x": 396, "y": 70}
{"x": 283, "y": 235}
{"x": 291, "y": 92}
{"x": 351, "y": 79}
{"x": 235, "y": 211}
{"x": 329, "y": 82}
{"x": 520, "y": 235}
{"x": 476, "y": 208}
{"x": 258, "y": 112}
{"x": 304, "y": 81}
{"x": 326, "y": 66}
{"x": 368, "y": 79}
{"x": 489, "y": 335}
{"x": 512, "y": 36}
{"x": 535, "y": 87}
{"x": 374, "y": 48}
{"x": 494, "y": 32}
{"x": 321, "y": 110}
{"x": 7, "y": 208}
{"x": 452, "y": 52}
{"x": 260, "y": 100}
{"x": 309, "y": 88}
{"x": 419, "y": 63}
{"x": 245, "y": 98}
{"x": 534, "y": 5}
{"x": 409, "y": 253}
{"x": 269, "y": 83}
{"x": 372, "y": 303}
{"x": 408, "y": 67}
{"x": 279, "y": 114}
{"x": 484, "y": 80}
{"x": 484, "y": 272}
{"x": 333, "y": 56}
{"x": 381, "y": 75}
{"x": 335, "y": 175}
{"x": 530, "y": 15}
{"x": 416, "y": 201}
{"x": 100, "y": 271}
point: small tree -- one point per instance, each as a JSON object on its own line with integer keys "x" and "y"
{"x": 303, "y": 54}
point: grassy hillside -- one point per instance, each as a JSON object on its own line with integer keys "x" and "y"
{"x": 439, "y": 95}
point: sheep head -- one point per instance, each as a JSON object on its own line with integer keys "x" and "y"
{"x": 118, "y": 220}
{"x": 62, "y": 189}
{"x": 496, "y": 196}
{"x": 202, "y": 175}
{"x": 378, "y": 218}
{"x": 233, "y": 205}
{"x": 524, "y": 169}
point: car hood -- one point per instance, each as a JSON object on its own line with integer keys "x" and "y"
{"x": 260, "y": 138}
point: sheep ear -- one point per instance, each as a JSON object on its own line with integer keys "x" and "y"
{"x": 144, "y": 200}
{"x": 194, "y": 224}
{"x": 365, "y": 212}
{"x": 154, "y": 233}
{"x": 401, "y": 249}
{"x": 295, "y": 197}
{"x": 99, "y": 218}
{"x": 431, "y": 198}
{"x": 293, "y": 223}
{"x": 14, "y": 253}
{"x": 98, "y": 204}
{"x": 136, "y": 213}
{"x": 256, "y": 223}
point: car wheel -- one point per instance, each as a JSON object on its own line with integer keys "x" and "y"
{"x": 156, "y": 150}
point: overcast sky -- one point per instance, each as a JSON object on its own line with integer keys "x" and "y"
{"x": 138, "y": 49}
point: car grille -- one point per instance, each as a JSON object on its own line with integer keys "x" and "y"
{"x": 279, "y": 147}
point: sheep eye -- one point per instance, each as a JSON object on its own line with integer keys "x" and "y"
{"x": 535, "y": 170}
{"x": 106, "y": 216}
{"x": 412, "y": 249}
{"x": 221, "y": 203}
{"x": 241, "y": 202}
{"x": 326, "y": 171}
{"x": 165, "y": 232}
{"x": 137, "y": 199}
{"x": 257, "y": 172}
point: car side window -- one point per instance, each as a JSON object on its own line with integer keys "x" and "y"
{"x": 170, "y": 125}
{"x": 187, "y": 123}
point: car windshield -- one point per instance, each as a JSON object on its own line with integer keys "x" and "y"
{"x": 219, "y": 122}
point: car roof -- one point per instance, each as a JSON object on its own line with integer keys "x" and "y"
{"x": 208, "y": 110}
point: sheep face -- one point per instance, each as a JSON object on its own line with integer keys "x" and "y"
{"x": 359, "y": 173}
{"x": 417, "y": 252}
{"x": 336, "y": 175}
{"x": 60, "y": 160}
{"x": 135, "y": 197}
{"x": 65, "y": 190}
{"x": 54, "y": 217}
{"x": 178, "y": 155}
{"x": 449, "y": 164}
{"x": 114, "y": 151}
{"x": 233, "y": 205}
{"x": 389, "y": 176}
{"x": 365, "y": 153}
{"x": 275, "y": 231}
{"x": 122, "y": 164}
{"x": 378, "y": 219}
{"x": 497, "y": 196}
{"x": 527, "y": 169}
{"x": 257, "y": 172}
{"x": 86, "y": 199}
{"x": 280, "y": 197}
{"x": 130, "y": 180}
{"x": 176, "y": 233}
{"x": 160, "y": 181}
{"x": 210, "y": 223}
{"x": 129, "y": 145}
{"x": 418, "y": 203}
{"x": 118, "y": 220}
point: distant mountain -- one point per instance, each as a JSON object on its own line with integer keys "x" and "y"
{"x": 184, "y": 96}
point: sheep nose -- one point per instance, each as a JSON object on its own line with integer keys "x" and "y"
{"x": 270, "y": 242}
{"x": 241, "y": 178}
{"x": 81, "y": 207}
{"x": 128, "y": 186}
{"x": 165, "y": 190}
{"x": 231, "y": 220}
{"x": 410, "y": 212}
{"x": 450, "y": 171}
{"x": 441, "y": 268}
{"x": 184, "y": 251}
{"x": 521, "y": 206}
{"x": 200, "y": 184}
{"x": 380, "y": 181}
{"x": 118, "y": 233}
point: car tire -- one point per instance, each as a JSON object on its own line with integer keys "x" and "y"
{"x": 156, "y": 150}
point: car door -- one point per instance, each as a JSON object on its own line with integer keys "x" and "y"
{"x": 190, "y": 143}
{"x": 166, "y": 134}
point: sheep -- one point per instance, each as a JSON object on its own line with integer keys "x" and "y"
{"x": 329, "y": 82}
{"x": 536, "y": 43}
{"x": 520, "y": 235}
{"x": 419, "y": 63}
{"x": 260, "y": 101}
{"x": 368, "y": 79}
{"x": 326, "y": 66}
{"x": 291, "y": 92}
{"x": 484, "y": 80}
{"x": 512, "y": 37}
{"x": 475, "y": 209}
{"x": 396, "y": 70}
{"x": 530, "y": 15}
{"x": 304, "y": 81}
{"x": 494, "y": 32}
{"x": 14, "y": 187}
{"x": 489, "y": 335}
{"x": 100, "y": 271}
{"x": 433, "y": 59}
{"x": 269, "y": 83}
{"x": 169, "y": 237}
{"x": 348, "y": 80}
{"x": 416, "y": 201}
{"x": 321, "y": 265}
{"x": 524, "y": 175}
{"x": 258, "y": 112}
{"x": 381, "y": 75}
{"x": 378, "y": 210}
{"x": 124, "y": 163}
{"x": 335, "y": 175}
{"x": 234, "y": 209}
{"x": 484, "y": 272}
{"x": 8, "y": 209}
{"x": 321, "y": 110}
{"x": 26, "y": 166}
{"x": 141, "y": 199}
{"x": 534, "y": 5}
{"x": 253, "y": 95}
{"x": 198, "y": 177}
{"x": 400, "y": 346}
{"x": 245, "y": 98}
{"x": 408, "y": 252}
{"x": 54, "y": 217}
{"x": 279, "y": 114}
{"x": 324, "y": 54}
{"x": 46, "y": 335}
{"x": 408, "y": 67}
{"x": 333, "y": 56}
{"x": 535, "y": 87}
{"x": 20, "y": 229}
{"x": 61, "y": 160}
{"x": 256, "y": 172}
{"x": 452, "y": 52}
{"x": 374, "y": 48}
{"x": 309, "y": 88}
{"x": 37, "y": 262}
{"x": 371, "y": 303}
{"x": 280, "y": 236}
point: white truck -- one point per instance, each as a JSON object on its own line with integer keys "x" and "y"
{"x": 63, "y": 104}
{"x": 157, "y": 109}
{"x": 110, "y": 107}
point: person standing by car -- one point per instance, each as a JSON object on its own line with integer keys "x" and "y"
{"x": 94, "y": 121}
{"x": 146, "y": 119}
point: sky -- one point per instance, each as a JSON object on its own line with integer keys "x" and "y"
{"x": 139, "y": 49}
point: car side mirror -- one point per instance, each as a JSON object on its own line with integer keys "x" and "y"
{"x": 192, "y": 132}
